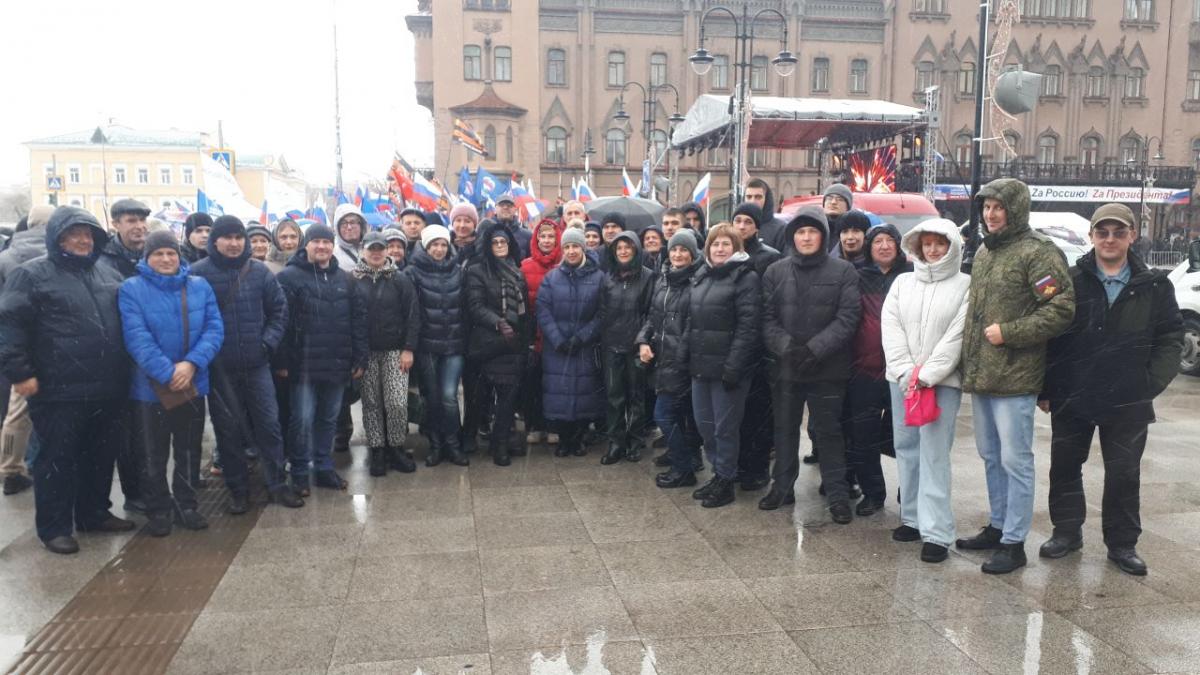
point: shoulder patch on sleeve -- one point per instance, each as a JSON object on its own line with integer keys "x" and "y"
{"x": 1046, "y": 287}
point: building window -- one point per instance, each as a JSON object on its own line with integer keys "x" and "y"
{"x": 472, "y": 63}
{"x": 614, "y": 147}
{"x": 962, "y": 149}
{"x": 508, "y": 145}
{"x": 1139, "y": 10}
{"x": 858, "y": 76}
{"x": 1196, "y": 153}
{"x": 556, "y": 68}
{"x": 966, "y": 79}
{"x": 1052, "y": 81}
{"x": 812, "y": 158}
{"x": 1195, "y": 10}
{"x": 489, "y": 140}
{"x": 926, "y": 76}
{"x": 758, "y": 73}
{"x": 502, "y": 64}
{"x": 556, "y": 145}
{"x": 758, "y": 157}
{"x": 186, "y": 173}
{"x": 1193, "y": 84}
{"x": 720, "y": 72}
{"x": 1095, "y": 82}
{"x": 714, "y": 157}
{"x": 119, "y": 175}
{"x": 820, "y": 75}
{"x": 1047, "y": 150}
{"x": 73, "y": 174}
{"x": 1013, "y": 142}
{"x": 143, "y": 175}
{"x": 660, "y": 143}
{"x": 164, "y": 175}
{"x": 1131, "y": 150}
{"x": 616, "y": 69}
{"x": 658, "y": 69}
{"x": 930, "y": 6}
{"x": 1134, "y": 83}
{"x": 1089, "y": 150}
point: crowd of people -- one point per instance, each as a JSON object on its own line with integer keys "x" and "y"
{"x": 714, "y": 339}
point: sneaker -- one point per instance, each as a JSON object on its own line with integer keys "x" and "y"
{"x": 551, "y": 439}
{"x": 776, "y": 498}
{"x": 988, "y": 538}
{"x": 675, "y": 479}
{"x": 1060, "y": 545}
{"x": 704, "y": 490}
{"x": 191, "y": 519}
{"x": 906, "y": 534}
{"x": 868, "y": 507}
{"x": 1128, "y": 560}
{"x": 933, "y": 553}
{"x": 158, "y": 526}
{"x": 16, "y": 483}
{"x": 840, "y": 513}
{"x": 721, "y": 494}
{"x": 1007, "y": 558}
{"x": 534, "y": 437}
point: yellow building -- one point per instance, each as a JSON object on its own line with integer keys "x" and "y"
{"x": 101, "y": 165}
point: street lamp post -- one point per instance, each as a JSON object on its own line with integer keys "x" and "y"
{"x": 649, "y": 106}
{"x": 588, "y": 151}
{"x": 743, "y": 35}
{"x": 1147, "y": 180}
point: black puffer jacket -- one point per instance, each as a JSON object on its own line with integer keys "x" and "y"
{"x": 59, "y": 320}
{"x": 439, "y": 287}
{"x": 194, "y": 255}
{"x": 761, "y": 255}
{"x": 393, "y": 312}
{"x": 1112, "y": 362}
{"x": 496, "y": 291}
{"x": 723, "y": 314}
{"x": 326, "y": 337}
{"x": 252, "y": 306}
{"x": 810, "y": 311}
{"x": 624, "y": 298}
{"x": 664, "y": 329}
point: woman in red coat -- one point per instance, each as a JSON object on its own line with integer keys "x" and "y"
{"x": 544, "y": 255}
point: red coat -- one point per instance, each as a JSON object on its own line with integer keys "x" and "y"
{"x": 535, "y": 268}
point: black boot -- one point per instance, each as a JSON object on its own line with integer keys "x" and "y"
{"x": 456, "y": 456}
{"x": 675, "y": 479}
{"x": 933, "y": 553}
{"x": 433, "y": 456}
{"x": 776, "y": 498}
{"x": 704, "y": 490}
{"x": 1059, "y": 545}
{"x": 721, "y": 494}
{"x": 401, "y": 461}
{"x": 615, "y": 454}
{"x": 840, "y": 513}
{"x": 284, "y": 496}
{"x": 562, "y": 449}
{"x": 1128, "y": 560}
{"x": 500, "y": 455}
{"x": 1008, "y": 558}
{"x": 988, "y": 538}
{"x": 238, "y": 504}
{"x": 378, "y": 462}
{"x": 663, "y": 460}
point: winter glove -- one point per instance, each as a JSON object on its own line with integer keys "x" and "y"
{"x": 506, "y": 330}
{"x": 728, "y": 383}
{"x": 804, "y": 359}
{"x": 564, "y": 347}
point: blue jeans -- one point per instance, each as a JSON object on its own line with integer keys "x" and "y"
{"x": 315, "y": 408}
{"x": 234, "y": 396}
{"x": 923, "y": 463}
{"x": 719, "y": 419}
{"x": 673, "y": 414}
{"x": 1004, "y": 438}
{"x": 439, "y": 376}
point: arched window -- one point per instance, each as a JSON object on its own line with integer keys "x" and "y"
{"x": 556, "y": 145}
{"x": 659, "y": 137}
{"x": 489, "y": 140}
{"x": 1047, "y": 149}
{"x": 472, "y": 63}
{"x": 962, "y": 148}
{"x": 1089, "y": 150}
{"x": 858, "y": 76}
{"x": 926, "y": 75}
{"x": 508, "y": 145}
{"x": 616, "y": 69}
{"x": 720, "y": 72}
{"x": 1013, "y": 141}
{"x": 1095, "y": 82}
{"x": 758, "y": 73}
{"x": 966, "y": 79}
{"x": 1131, "y": 150}
{"x": 556, "y": 68}
{"x": 614, "y": 147}
{"x": 1052, "y": 81}
{"x": 1135, "y": 83}
{"x": 502, "y": 64}
{"x": 820, "y": 75}
{"x": 658, "y": 69}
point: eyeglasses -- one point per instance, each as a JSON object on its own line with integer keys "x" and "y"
{"x": 499, "y": 242}
{"x": 353, "y": 221}
{"x": 1120, "y": 233}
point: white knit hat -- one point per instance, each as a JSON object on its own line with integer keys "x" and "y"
{"x": 432, "y": 233}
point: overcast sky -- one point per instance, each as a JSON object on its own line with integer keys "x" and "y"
{"x": 263, "y": 67}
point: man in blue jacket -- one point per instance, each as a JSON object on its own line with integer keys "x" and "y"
{"x": 255, "y": 315}
{"x": 324, "y": 348}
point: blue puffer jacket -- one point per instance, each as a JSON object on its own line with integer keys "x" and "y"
{"x": 151, "y": 317}
{"x": 440, "y": 292}
{"x": 568, "y": 305}
{"x": 252, "y": 306}
{"x": 326, "y": 337}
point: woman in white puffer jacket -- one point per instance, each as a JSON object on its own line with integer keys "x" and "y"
{"x": 923, "y": 319}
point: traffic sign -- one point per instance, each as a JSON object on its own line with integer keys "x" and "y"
{"x": 226, "y": 157}
{"x": 54, "y": 183}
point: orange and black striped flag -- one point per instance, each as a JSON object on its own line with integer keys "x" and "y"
{"x": 464, "y": 134}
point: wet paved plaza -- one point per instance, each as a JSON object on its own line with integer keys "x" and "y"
{"x": 566, "y": 567}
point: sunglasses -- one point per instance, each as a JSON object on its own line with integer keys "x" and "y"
{"x": 1119, "y": 233}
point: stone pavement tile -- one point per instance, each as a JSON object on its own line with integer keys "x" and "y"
{"x": 145, "y": 660}
{"x": 825, "y": 600}
{"x": 742, "y": 517}
{"x": 1165, "y": 638}
{"x": 1034, "y": 642}
{"x": 386, "y": 631}
{"x": 653, "y": 562}
{"x": 407, "y": 537}
{"x": 899, "y": 648}
{"x": 29, "y": 603}
{"x": 294, "y": 639}
{"x": 353, "y": 511}
{"x": 1169, "y": 497}
{"x": 592, "y": 497}
{"x": 299, "y": 545}
{"x": 1175, "y": 575}
{"x": 442, "y": 476}
{"x": 1181, "y": 528}
{"x": 534, "y": 619}
{"x": 750, "y": 654}
{"x": 597, "y": 656}
{"x": 534, "y": 472}
{"x": 421, "y": 576}
{"x": 869, "y": 549}
{"x": 420, "y": 504}
{"x": 465, "y": 664}
{"x": 588, "y": 469}
{"x": 542, "y": 568}
{"x": 26, "y": 557}
{"x": 1072, "y": 583}
{"x": 696, "y": 608}
{"x": 280, "y": 585}
{"x": 538, "y": 529}
{"x": 644, "y": 521}
{"x": 953, "y": 588}
{"x": 501, "y": 501}
{"x": 777, "y": 555}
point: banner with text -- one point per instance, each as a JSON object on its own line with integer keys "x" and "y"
{"x": 1079, "y": 193}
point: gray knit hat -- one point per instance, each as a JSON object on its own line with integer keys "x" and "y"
{"x": 839, "y": 190}
{"x": 687, "y": 239}
{"x": 573, "y": 236}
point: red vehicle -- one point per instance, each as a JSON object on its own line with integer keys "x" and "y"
{"x": 902, "y": 209}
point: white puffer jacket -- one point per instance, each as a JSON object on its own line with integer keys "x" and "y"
{"x": 925, "y": 310}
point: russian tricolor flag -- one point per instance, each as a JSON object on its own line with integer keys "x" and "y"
{"x": 263, "y": 218}
{"x": 627, "y": 187}
{"x": 425, "y": 193}
{"x": 583, "y": 192}
{"x": 700, "y": 194}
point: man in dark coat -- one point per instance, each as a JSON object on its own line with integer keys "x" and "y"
{"x": 771, "y": 229}
{"x": 509, "y": 215}
{"x": 255, "y": 315}
{"x": 811, "y": 309}
{"x": 693, "y": 219}
{"x": 412, "y": 222}
{"x": 196, "y": 232}
{"x": 624, "y": 299}
{"x": 1120, "y": 352}
{"x": 61, "y": 346}
{"x": 836, "y": 201}
{"x": 324, "y": 348}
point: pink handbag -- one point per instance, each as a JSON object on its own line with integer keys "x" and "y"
{"x": 920, "y": 403}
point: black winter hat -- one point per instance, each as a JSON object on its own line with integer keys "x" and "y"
{"x": 160, "y": 239}
{"x": 196, "y": 220}
{"x": 613, "y": 218}
{"x": 749, "y": 209}
{"x": 227, "y": 226}
{"x": 318, "y": 231}
{"x": 410, "y": 211}
{"x": 854, "y": 220}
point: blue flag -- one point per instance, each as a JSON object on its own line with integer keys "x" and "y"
{"x": 466, "y": 186}
{"x": 487, "y": 186}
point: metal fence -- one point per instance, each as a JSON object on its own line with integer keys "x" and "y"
{"x": 1165, "y": 259}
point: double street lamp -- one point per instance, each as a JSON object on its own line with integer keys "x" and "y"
{"x": 743, "y": 34}
{"x": 649, "y": 108}
{"x": 1147, "y": 179}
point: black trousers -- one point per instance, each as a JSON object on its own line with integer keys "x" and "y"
{"x": 758, "y": 429}
{"x": 570, "y": 433}
{"x": 824, "y": 401}
{"x": 129, "y": 456}
{"x": 625, "y": 396}
{"x": 73, "y": 469}
{"x": 531, "y": 398}
{"x": 498, "y": 376}
{"x": 158, "y": 432}
{"x": 1121, "y": 446}
{"x": 870, "y": 405}
{"x": 479, "y": 398}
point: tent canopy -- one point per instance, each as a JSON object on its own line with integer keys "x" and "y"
{"x": 790, "y": 123}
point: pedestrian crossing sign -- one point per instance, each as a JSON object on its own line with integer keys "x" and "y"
{"x": 54, "y": 183}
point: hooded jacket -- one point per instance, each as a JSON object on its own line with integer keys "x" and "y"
{"x": 811, "y": 308}
{"x": 191, "y": 254}
{"x": 1019, "y": 281}
{"x": 924, "y": 312}
{"x": 723, "y": 320}
{"x": 495, "y": 292}
{"x": 152, "y": 321}
{"x": 536, "y": 266}
{"x": 625, "y": 297}
{"x": 326, "y": 336}
{"x": 664, "y": 329}
{"x": 568, "y": 306}
{"x": 276, "y": 258}
{"x": 346, "y": 252}
{"x": 25, "y": 245}
{"x": 1112, "y": 361}
{"x": 439, "y": 287}
{"x": 252, "y": 307}
{"x": 59, "y": 320}
{"x": 772, "y": 229}
{"x": 393, "y": 311}
{"x": 693, "y": 206}
{"x": 873, "y": 286}
{"x": 522, "y": 234}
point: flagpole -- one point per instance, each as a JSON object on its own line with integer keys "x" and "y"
{"x": 337, "y": 109}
